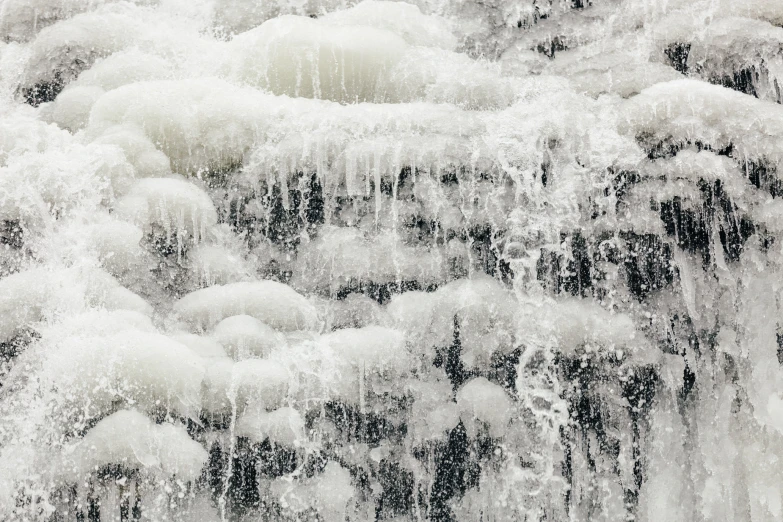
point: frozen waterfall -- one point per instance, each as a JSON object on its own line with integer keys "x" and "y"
{"x": 438, "y": 261}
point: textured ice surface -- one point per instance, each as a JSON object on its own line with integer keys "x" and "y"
{"x": 340, "y": 261}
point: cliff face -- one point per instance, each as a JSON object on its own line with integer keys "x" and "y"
{"x": 451, "y": 261}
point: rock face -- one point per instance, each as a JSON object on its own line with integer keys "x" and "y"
{"x": 334, "y": 261}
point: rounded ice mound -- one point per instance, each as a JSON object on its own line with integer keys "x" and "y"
{"x": 218, "y": 264}
{"x": 301, "y": 57}
{"x": 249, "y": 383}
{"x": 71, "y": 109}
{"x": 244, "y": 336}
{"x": 197, "y": 123}
{"x": 62, "y": 51}
{"x": 328, "y": 493}
{"x": 579, "y": 323}
{"x": 21, "y": 20}
{"x": 174, "y": 206}
{"x": 340, "y": 255}
{"x": 272, "y": 303}
{"x": 401, "y": 18}
{"x": 484, "y": 401}
{"x": 21, "y": 133}
{"x": 129, "y": 439}
{"x": 371, "y": 347}
{"x": 284, "y": 426}
{"x": 202, "y": 346}
{"x": 36, "y": 188}
{"x": 125, "y": 67}
{"x": 116, "y": 243}
{"x": 140, "y": 152}
{"x": 433, "y": 412}
{"x": 717, "y": 116}
{"x": 231, "y": 17}
{"x": 26, "y": 297}
{"x": 481, "y": 305}
{"x": 143, "y": 368}
{"x": 440, "y": 76}
{"x": 370, "y": 362}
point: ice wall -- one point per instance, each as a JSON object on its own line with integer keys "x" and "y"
{"x": 345, "y": 261}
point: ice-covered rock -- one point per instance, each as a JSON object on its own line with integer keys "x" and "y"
{"x": 129, "y": 439}
{"x": 175, "y": 208}
{"x": 283, "y": 426}
{"x": 244, "y": 336}
{"x": 231, "y": 386}
{"x": 272, "y": 303}
{"x": 481, "y": 401}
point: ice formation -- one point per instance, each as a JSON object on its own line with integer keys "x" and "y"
{"x": 436, "y": 260}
